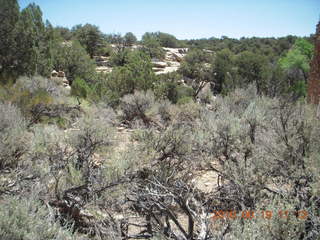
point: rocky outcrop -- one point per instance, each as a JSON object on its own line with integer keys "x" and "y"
{"x": 104, "y": 69}
{"x": 54, "y": 73}
{"x": 170, "y": 63}
{"x": 175, "y": 54}
{"x": 102, "y": 61}
{"x": 61, "y": 74}
{"x": 159, "y": 64}
{"x": 314, "y": 76}
{"x": 60, "y": 79}
{"x": 172, "y": 60}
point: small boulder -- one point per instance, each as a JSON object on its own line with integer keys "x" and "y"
{"x": 61, "y": 74}
{"x": 178, "y": 56}
{"x": 54, "y": 73}
{"x": 65, "y": 81}
{"x": 159, "y": 64}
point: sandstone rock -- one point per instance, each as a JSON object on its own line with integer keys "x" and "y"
{"x": 183, "y": 50}
{"x": 178, "y": 56}
{"x": 181, "y": 82}
{"x": 167, "y": 70}
{"x": 60, "y": 79}
{"x": 67, "y": 89}
{"x": 61, "y": 74}
{"x": 65, "y": 81}
{"x": 102, "y": 63}
{"x": 54, "y": 73}
{"x": 104, "y": 69}
{"x": 175, "y": 54}
{"x": 157, "y": 69}
{"x": 57, "y": 80}
{"x": 159, "y": 64}
{"x": 207, "y": 51}
{"x": 171, "y": 62}
{"x": 100, "y": 58}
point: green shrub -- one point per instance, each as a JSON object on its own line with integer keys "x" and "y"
{"x": 129, "y": 39}
{"x": 163, "y": 39}
{"x": 119, "y": 58}
{"x": 184, "y": 91}
{"x": 107, "y": 51}
{"x": 151, "y": 46}
{"x": 299, "y": 89}
{"x": 166, "y": 90}
{"x": 73, "y": 59}
{"x": 136, "y": 74}
{"x": 80, "y": 88}
{"x": 184, "y": 100}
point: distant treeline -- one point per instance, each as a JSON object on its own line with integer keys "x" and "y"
{"x": 28, "y": 46}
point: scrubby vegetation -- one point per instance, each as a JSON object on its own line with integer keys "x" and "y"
{"x": 135, "y": 155}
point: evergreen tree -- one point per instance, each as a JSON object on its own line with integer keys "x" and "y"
{"x": 9, "y": 15}
{"x": 129, "y": 39}
{"x": 73, "y": 59}
{"x": 195, "y": 68}
{"x": 222, "y": 69}
{"x": 90, "y": 38}
{"x": 151, "y": 46}
{"x": 253, "y": 68}
{"x": 30, "y": 32}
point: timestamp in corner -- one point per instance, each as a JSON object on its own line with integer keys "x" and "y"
{"x": 263, "y": 214}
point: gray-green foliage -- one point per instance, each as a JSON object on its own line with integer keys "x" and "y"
{"x": 12, "y": 140}
{"x": 64, "y": 159}
{"x": 28, "y": 219}
{"x": 264, "y": 147}
{"x": 137, "y": 106}
{"x": 172, "y": 143}
{"x": 38, "y": 83}
{"x": 272, "y": 227}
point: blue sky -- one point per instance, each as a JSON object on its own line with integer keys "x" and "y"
{"x": 187, "y": 19}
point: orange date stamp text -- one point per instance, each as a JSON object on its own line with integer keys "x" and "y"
{"x": 264, "y": 214}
